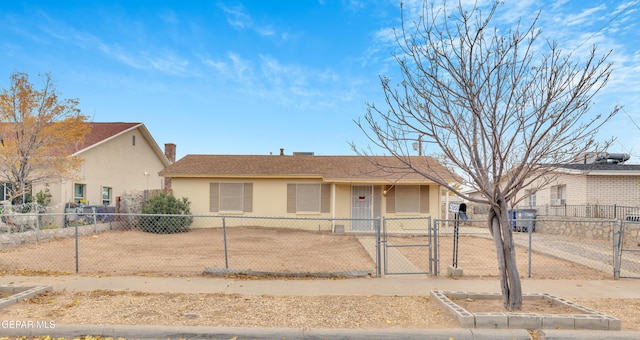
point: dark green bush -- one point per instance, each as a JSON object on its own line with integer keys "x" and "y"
{"x": 164, "y": 204}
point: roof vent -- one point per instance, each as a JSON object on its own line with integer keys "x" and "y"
{"x": 605, "y": 158}
{"x": 298, "y": 153}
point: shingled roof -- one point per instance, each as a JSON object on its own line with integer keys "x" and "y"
{"x": 101, "y": 132}
{"x": 327, "y": 168}
{"x": 104, "y": 131}
{"x": 603, "y": 168}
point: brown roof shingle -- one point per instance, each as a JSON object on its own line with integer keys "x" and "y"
{"x": 99, "y": 132}
{"x": 328, "y": 168}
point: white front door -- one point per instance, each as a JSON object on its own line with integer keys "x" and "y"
{"x": 362, "y": 207}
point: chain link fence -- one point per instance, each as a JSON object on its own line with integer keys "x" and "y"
{"x": 627, "y": 249}
{"x": 557, "y": 249}
{"x": 102, "y": 243}
{"x": 141, "y": 244}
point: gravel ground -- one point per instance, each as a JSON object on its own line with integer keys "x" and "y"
{"x": 233, "y": 310}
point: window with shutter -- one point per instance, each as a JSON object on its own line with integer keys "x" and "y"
{"x": 231, "y": 197}
{"x": 308, "y": 198}
{"x": 407, "y": 199}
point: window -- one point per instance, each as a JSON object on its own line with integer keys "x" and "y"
{"x": 558, "y": 194}
{"x": 531, "y": 198}
{"x": 407, "y": 199}
{"x": 79, "y": 193}
{"x": 231, "y": 197}
{"x": 308, "y": 198}
{"x": 4, "y": 192}
{"x": 106, "y": 195}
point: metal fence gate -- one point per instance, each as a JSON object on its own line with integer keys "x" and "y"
{"x": 407, "y": 245}
{"x": 626, "y": 250}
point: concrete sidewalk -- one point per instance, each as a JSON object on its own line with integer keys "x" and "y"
{"x": 402, "y": 285}
{"x": 391, "y": 285}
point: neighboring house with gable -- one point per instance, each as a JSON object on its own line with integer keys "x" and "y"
{"x": 602, "y": 180}
{"x": 116, "y": 157}
{"x": 307, "y": 186}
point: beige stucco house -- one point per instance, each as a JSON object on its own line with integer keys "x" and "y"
{"x": 116, "y": 157}
{"x": 306, "y": 186}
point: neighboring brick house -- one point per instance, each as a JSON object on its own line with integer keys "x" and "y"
{"x": 306, "y": 186}
{"x": 604, "y": 181}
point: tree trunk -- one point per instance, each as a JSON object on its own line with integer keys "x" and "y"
{"x": 506, "y": 253}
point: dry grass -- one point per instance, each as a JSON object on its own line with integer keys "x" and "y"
{"x": 233, "y": 310}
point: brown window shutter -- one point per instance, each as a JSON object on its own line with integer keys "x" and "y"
{"x": 291, "y": 198}
{"x": 325, "y": 198}
{"x": 214, "y": 197}
{"x": 248, "y": 197}
{"x": 424, "y": 199}
{"x": 377, "y": 201}
{"x": 391, "y": 199}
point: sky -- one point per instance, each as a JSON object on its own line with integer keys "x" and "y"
{"x": 251, "y": 77}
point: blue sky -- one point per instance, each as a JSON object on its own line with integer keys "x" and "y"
{"x": 251, "y": 77}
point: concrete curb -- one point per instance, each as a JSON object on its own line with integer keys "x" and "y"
{"x": 184, "y": 332}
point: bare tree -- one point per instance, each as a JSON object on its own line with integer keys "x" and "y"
{"x": 504, "y": 108}
{"x": 38, "y": 133}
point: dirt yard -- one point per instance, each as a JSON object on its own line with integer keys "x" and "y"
{"x": 139, "y": 253}
{"x": 232, "y": 310}
{"x": 260, "y": 249}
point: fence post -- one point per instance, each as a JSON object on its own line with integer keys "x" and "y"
{"x": 433, "y": 262}
{"x": 77, "y": 252}
{"x": 617, "y": 249}
{"x": 530, "y": 230}
{"x": 224, "y": 238}
{"x": 37, "y": 214}
{"x": 95, "y": 222}
{"x": 378, "y": 247}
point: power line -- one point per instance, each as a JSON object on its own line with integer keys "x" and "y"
{"x": 631, "y": 3}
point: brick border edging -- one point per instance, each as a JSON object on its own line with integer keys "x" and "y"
{"x": 20, "y": 293}
{"x": 587, "y": 319}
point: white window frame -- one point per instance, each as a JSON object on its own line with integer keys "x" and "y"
{"x": 532, "y": 198}
{"x": 109, "y": 195}
{"x": 558, "y": 194}
{"x": 77, "y": 198}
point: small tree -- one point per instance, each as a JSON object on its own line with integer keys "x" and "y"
{"x": 503, "y": 113}
{"x": 179, "y": 212}
{"x": 38, "y": 134}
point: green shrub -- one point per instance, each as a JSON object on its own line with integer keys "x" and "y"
{"x": 164, "y": 204}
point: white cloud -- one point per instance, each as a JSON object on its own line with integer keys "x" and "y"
{"x": 238, "y": 18}
{"x": 169, "y": 17}
{"x": 586, "y": 15}
{"x": 288, "y": 84}
{"x": 233, "y": 68}
{"x": 169, "y": 63}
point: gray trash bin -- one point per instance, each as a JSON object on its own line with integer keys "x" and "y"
{"x": 525, "y": 220}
